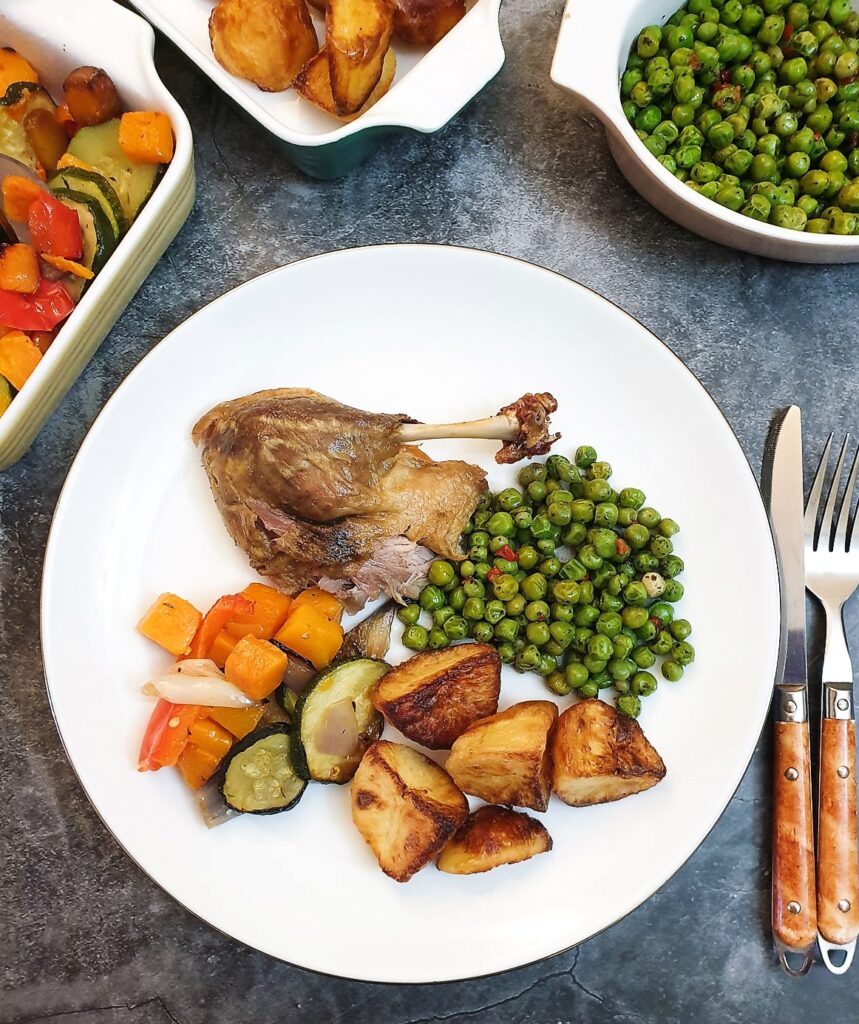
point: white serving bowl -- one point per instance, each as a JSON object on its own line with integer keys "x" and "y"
{"x": 590, "y": 57}
{"x": 430, "y": 86}
{"x": 102, "y": 33}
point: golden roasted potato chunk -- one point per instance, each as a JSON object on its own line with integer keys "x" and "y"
{"x": 314, "y": 83}
{"x": 405, "y": 806}
{"x": 424, "y": 22}
{"x": 357, "y": 34}
{"x": 504, "y": 759}
{"x": 601, "y": 755}
{"x": 266, "y": 42}
{"x": 435, "y": 696}
{"x": 493, "y": 836}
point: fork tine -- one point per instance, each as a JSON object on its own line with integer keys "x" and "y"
{"x": 813, "y": 503}
{"x": 825, "y": 537}
{"x": 846, "y": 505}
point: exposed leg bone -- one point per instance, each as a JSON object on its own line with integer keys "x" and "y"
{"x": 523, "y": 426}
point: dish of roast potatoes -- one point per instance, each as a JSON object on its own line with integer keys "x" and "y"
{"x": 275, "y": 45}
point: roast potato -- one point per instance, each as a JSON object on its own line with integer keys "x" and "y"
{"x": 493, "y": 836}
{"x": 266, "y": 42}
{"x": 405, "y": 806}
{"x": 314, "y": 84}
{"x": 357, "y": 34}
{"x": 424, "y": 22}
{"x": 435, "y": 696}
{"x": 505, "y": 759}
{"x": 601, "y": 755}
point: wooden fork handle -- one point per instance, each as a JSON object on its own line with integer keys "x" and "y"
{"x": 837, "y": 839}
{"x": 794, "y": 914}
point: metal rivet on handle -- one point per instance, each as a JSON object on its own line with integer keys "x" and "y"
{"x": 842, "y": 704}
{"x": 844, "y": 906}
{"x": 791, "y": 774}
{"x": 790, "y": 706}
{"x": 843, "y": 771}
{"x": 793, "y": 907}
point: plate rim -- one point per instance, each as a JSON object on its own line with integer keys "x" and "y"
{"x": 354, "y": 252}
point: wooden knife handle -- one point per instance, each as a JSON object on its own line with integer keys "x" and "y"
{"x": 794, "y": 915}
{"x": 837, "y": 842}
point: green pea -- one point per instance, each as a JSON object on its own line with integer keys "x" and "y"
{"x": 565, "y": 591}
{"x": 481, "y": 631}
{"x": 605, "y": 514}
{"x": 587, "y": 592}
{"x": 523, "y": 518}
{"x": 643, "y": 657}
{"x": 626, "y": 517}
{"x": 647, "y": 44}
{"x": 576, "y": 674}
{"x": 671, "y": 671}
{"x": 455, "y": 627}
{"x": 628, "y": 705}
{"x": 534, "y": 587}
{"x": 751, "y": 19}
{"x": 562, "y": 612}
{"x": 516, "y": 605}
{"x": 474, "y": 588}
{"x": 597, "y": 490}
{"x": 661, "y": 643}
{"x": 585, "y": 456}
{"x": 456, "y": 599}
{"x": 536, "y": 611}
{"x": 501, "y": 525}
{"x": 643, "y": 684}
{"x": 441, "y": 615}
{"x": 635, "y": 593}
{"x": 771, "y": 30}
{"x": 599, "y": 470}
{"x": 595, "y": 666}
{"x": 573, "y": 570}
{"x": 415, "y": 638}
{"x": 673, "y": 589}
{"x": 557, "y": 682}
{"x": 548, "y": 665}
{"x": 663, "y": 611}
{"x": 582, "y": 510}
{"x": 481, "y": 570}
{"x": 634, "y": 616}
{"x": 644, "y": 562}
{"x": 533, "y": 471}
{"x": 437, "y": 639}
{"x": 636, "y": 536}
{"x": 473, "y": 608}
{"x": 559, "y": 513}
{"x": 609, "y": 624}
{"x": 586, "y": 615}
{"x": 537, "y": 633}
{"x": 647, "y": 632}
{"x": 431, "y": 597}
{"x": 581, "y": 636}
{"x": 680, "y": 629}
{"x": 409, "y": 614}
{"x": 683, "y": 653}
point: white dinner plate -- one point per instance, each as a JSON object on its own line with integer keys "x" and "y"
{"x": 442, "y": 334}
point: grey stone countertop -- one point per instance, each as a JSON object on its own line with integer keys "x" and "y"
{"x": 85, "y": 935}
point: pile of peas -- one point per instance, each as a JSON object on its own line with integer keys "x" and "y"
{"x": 755, "y": 106}
{"x": 566, "y": 577}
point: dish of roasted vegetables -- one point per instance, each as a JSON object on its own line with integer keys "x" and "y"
{"x": 75, "y": 171}
{"x": 389, "y": 605}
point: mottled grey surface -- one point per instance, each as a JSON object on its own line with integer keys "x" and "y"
{"x": 84, "y": 935}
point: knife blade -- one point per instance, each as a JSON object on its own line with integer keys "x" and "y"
{"x": 794, "y": 914}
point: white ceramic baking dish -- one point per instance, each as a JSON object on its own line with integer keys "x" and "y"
{"x": 592, "y": 73}
{"x": 430, "y": 86}
{"x": 54, "y": 40}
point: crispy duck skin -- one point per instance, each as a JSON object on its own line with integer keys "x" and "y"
{"x": 314, "y": 491}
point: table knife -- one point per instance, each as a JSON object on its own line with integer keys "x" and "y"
{"x": 794, "y": 913}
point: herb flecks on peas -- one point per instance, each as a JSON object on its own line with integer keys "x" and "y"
{"x": 566, "y": 576}
{"x": 755, "y": 106}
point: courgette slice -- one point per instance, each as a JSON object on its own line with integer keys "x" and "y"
{"x": 13, "y": 141}
{"x": 258, "y": 775}
{"x": 98, "y": 234}
{"x": 22, "y": 97}
{"x": 337, "y": 721}
{"x": 98, "y": 146}
{"x": 287, "y": 700}
{"x": 6, "y": 395}
{"x": 91, "y": 183}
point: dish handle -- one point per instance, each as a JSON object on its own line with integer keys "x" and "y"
{"x": 578, "y": 65}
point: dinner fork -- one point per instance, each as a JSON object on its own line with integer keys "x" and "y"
{"x": 832, "y": 574}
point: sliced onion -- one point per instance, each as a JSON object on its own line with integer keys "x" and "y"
{"x": 298, "y": 672}
{"x": 213, "y": 806}
{"x": 199, "y": 681}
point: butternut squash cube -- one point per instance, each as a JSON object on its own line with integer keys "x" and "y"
{"x": 171, "y": 623}
{"x": 256, "y": 667}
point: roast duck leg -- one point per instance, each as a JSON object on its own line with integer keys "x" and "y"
{"x": 318, "y": 493}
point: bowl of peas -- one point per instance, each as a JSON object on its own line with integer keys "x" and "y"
{"x": 738, "y": 119}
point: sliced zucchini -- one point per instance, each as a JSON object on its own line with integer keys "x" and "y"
{"x": 337, "y": 720}
{"x": 91, "y": 183}
{"x": 287, "y": 700}
{"x": 13, "y": 141}
{"x": 6, "y": 395}
{"x": 99, "y": 237}
{"x": 98, "y": 146}
{"x": 22, "y": 97}
{"x": 258, "y": 775}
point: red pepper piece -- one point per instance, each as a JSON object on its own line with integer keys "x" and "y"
{"x": 55, "y": 228}
{"x": 166, "y": 735}
{"x": 621, "y": 547}
{"x": 42, "y": 310}
{"x": 493, "y": 574}
{"x": 656, "y": 621}
{"x": 506, "y": 552}
{"x": 224, "y": 610}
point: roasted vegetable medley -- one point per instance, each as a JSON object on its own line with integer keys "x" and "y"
{"x": 567, "y": 577}
{"x": 755, "y": 106}
{"x": 73, "y": 176}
